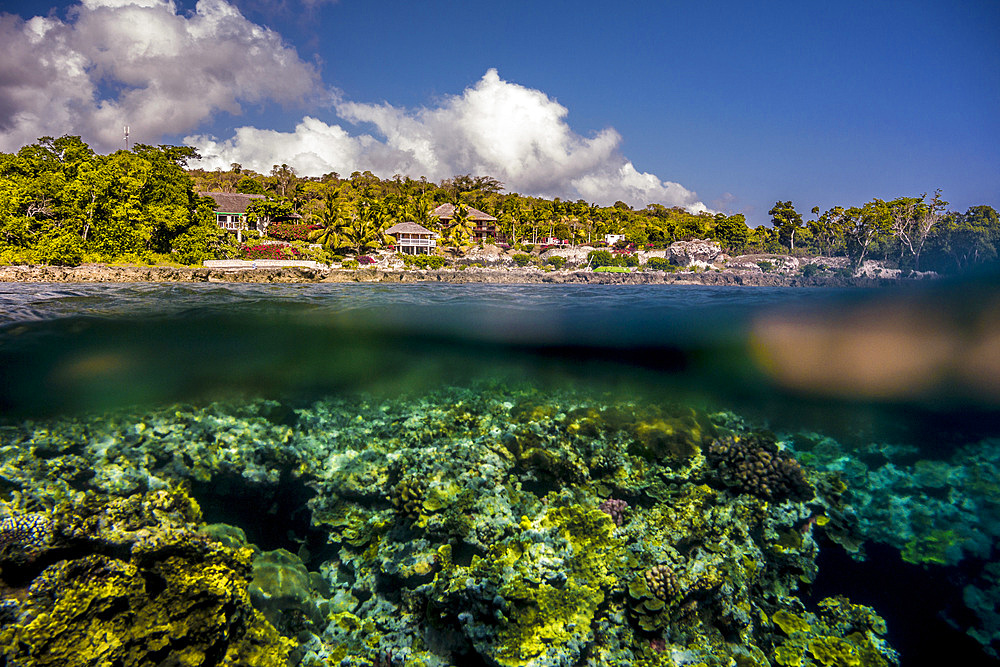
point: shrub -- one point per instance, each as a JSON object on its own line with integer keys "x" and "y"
{"x": 269, "y": 251}
{"x": 365, "y": 260}
{"x": 556, "y": 261}
{"x": 350, "y": 264}
{"x": 766, "y": 266}
{"x": 628, "y": 260}
{"x": 521, "y": 259}
{"x": 599, "y": 258}
{"x": 423, "y": 261}
{"x": 65, "y": 248}
{"x": 659, "y": 264}
{"x": 16, "y": 256}
{"x": 810, "y": 270}
{"x": 290, "y": 232}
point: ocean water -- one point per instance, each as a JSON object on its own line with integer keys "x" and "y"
{"x": 504, "y": 474}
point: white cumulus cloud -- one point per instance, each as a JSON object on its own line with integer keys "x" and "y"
{"x": 141, "y": 63}
{"x": 513, "y": 133}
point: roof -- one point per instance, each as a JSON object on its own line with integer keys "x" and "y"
{"x": 408, "y": 228}
{"x": 231, "y": 202}
{"x": 447, "y": 212}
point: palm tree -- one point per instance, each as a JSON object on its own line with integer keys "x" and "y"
{"x": 368, "y": 229}
{"x": 459, "y": 233}
{"x": 333, "y": 221}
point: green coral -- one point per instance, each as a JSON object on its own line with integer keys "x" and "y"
{"x": 935, "y": 547}
{"x": 549, "y": 610}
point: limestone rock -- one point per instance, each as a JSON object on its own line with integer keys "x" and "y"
{"x": 696, "y": 252}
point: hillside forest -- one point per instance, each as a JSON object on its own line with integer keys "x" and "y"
{"x": 62, "y": 203}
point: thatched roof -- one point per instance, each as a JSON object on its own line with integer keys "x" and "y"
{"x": 408, "y": 228}
{"x": 447, "y": 212}
{"x": 231, "y": 202}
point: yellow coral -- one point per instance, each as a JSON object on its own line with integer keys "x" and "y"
{"x": 790, "y": 656}
{"x": 790, "y": 623}
{"x": 835, "y": 652}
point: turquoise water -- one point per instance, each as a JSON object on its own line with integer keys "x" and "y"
{"x": 347, "y": 434}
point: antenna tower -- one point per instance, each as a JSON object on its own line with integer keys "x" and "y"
{"x": 126, "y": 137}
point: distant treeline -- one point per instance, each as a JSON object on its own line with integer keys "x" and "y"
{"x": 60, "y": 202}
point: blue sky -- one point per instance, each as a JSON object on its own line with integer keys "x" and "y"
{"x": 721, "y": 105}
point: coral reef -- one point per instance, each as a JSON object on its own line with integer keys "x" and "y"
{"x": 939, "y": 513}
{"x": 129, "y": 581}
{"x": 754, "y": 464}
{"x": 614, "y": 508}
{"x": 479, "y": 525}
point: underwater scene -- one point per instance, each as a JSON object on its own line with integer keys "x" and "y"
{"x": 499, "y": 475}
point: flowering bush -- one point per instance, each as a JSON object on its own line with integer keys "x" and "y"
{"x": 365, "y": 260}
{"x": 290, "y": 232}
{"x": 269, "y": 251}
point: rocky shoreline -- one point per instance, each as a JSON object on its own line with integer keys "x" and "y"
{"x": 89, "y": 273}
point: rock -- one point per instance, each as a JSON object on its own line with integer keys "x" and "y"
{"x": 573, "y": 254}
{"x": 871, "y": 268}
{"x": 488, "y": 253}
{"x": 693, "y": 253}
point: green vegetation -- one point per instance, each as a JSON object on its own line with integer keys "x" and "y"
{"x": 423, "y": 261}
{"x": 61, "y": 203}
{"x": 605, "y": 258}
{"x": 522, "y": 259}
{"x": 659, "y": 264}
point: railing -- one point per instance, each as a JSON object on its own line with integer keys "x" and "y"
{"x": 416, "y": 243}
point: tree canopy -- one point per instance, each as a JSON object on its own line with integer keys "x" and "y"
{"x": 60, "y": 202}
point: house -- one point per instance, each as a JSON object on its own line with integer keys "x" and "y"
{"x": 612, "y": 239}
{"x": 485, "y": 224}
{"x": 231, "y": 210}
{"x": 412, "y": 239}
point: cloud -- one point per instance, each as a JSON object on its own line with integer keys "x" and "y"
{"x": 137, "y": 62}
{"x": 513, "y": 133}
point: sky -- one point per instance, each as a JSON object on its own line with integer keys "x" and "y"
{"x": 725, "y": 106}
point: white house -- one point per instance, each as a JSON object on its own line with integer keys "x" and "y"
{"x": 412, "y": 239}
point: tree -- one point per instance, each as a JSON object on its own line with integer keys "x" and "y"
{"x": 283, "y": 177}
{"x": 459, "y": 232}
{"x": 331, "y": 234}
{"x": 732, "y": 232}
{"x": 250, "y": 186}
{"x": 912, "y": 220}
{"x": 964, "y": 240}
{"x": 261, "y": 212}
{"x": 863, "y": 226}
{"x": 368, "y": 229}
{"x": 826, "y": 229}
{"x": 787, "y": 221}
